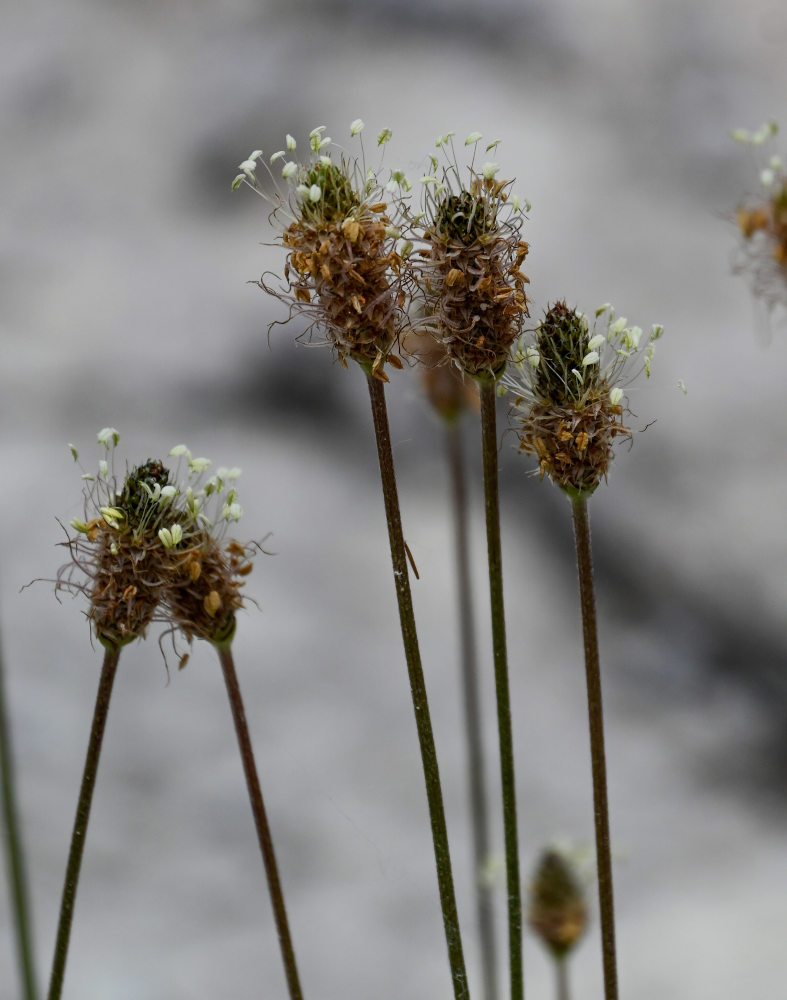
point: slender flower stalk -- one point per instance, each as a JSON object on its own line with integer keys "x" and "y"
{"x": 475, "y": 304}
{"x": 418, "y": 690}
{"x": 451, "y": 395}
{"x": 479, "y": 809}
{"x": 504, "y": 726}
{"x": 598, "y": 755}
{"x": 568, "y": 412}
{"x": 344, "y": 271}
{"x": 17, "y": 877}
{"x": 79, "y": 833}
{"x": 201, "y": 602}
{"x": 264, "y": 834}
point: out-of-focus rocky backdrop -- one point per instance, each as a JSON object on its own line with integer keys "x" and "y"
{"x": 123, "y": 266}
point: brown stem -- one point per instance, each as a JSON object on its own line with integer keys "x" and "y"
{"x": 423, "y": 721}
{"x": 111, "y": 657}
{"x": 489, "y": 442}
{"x": 260, "y": 820}
{"x": 597, "y": 753}
{"x": 479, "y": 812}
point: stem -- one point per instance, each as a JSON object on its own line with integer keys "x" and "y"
{"x": 561, "y": 973}
{"x": 489, "y": 443}
{"x": 15, "y": 856}
{"x": 260, "y": 821}
{"x": 78, "y": 836}
{"x": 479, "y": 814}
{"x": 597, "y": 754}
{"x": 423, "y": 722}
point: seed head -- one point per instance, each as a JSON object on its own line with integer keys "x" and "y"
{"x": 117, "y": 560}
{"x": 344, "y": 262}
{"x": 558, "y": 912}
{"x": 568, "y": 392}
{"x": 152, "y": 548}
{"x": 469, "y": 273}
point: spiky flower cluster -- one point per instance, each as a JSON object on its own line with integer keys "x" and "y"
{"x": 558, "y": 912}
{"x": 344, "y": 262}
{"x": 762, "y": 221}
{"x": 568, "y": 384}
{"x": 152, "y": 548}
{"x": 472, "y": 285}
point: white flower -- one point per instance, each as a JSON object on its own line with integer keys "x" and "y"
{"x": 631, "y": 337}
{"x": 767, "y": 177}
{"x": 232, "y": 512}
{"x": 473, "y": 137}
{"x": 595, "y": 342}
{"x": 615, "y": 395}
{"x": 591, "y": 358}
{"x": 289, "y": 168}
{"x": 356, "y": 126}
{"x": 315, "y": 193}
{"x": 112, "y": 515}
{"x": 489, "y": 170}
{"x": 291, "y": 143}
{"x": 170, "y": 536}
{"x": 109, "y": 437}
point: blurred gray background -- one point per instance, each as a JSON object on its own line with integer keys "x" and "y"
{"x": 124, "y": 262}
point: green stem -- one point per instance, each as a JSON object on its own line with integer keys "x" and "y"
{"x": 260, "y": 820}
{"x": 597, "y": 753}
{"x": 111, "y": 657}
{"x": 489, "y": 444}
{"x": 561, "y": 973}
{"x": 14, "y": 853}
{"x": 479, "y": 813}
{"x": 423, "y": 722}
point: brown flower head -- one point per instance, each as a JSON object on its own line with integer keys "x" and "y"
{"x": 470, "y": 277}
{"x": 558, "y": 912}
{"x": 344, "y": 266}
{"x": 207, "y": 571}
{"x": 762, "y": 222}
{"x": 568, "y": 397}
{"x": 147, "y": 550}
{"x": 117, "y": 560}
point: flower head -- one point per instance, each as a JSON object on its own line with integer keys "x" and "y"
{"x": 568, "y": 383}
{"x": 471, "y": 283}
{"x": 762, "y": 223}
{"x": 343, "y": 270}
{"x": 558, "y": 911}
{"x": 151, "y": 547}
